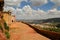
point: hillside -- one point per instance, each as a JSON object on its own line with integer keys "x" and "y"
{"x": 50, "y": 20}
{"x": 21, "y": 31}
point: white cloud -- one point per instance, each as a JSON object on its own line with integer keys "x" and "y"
{"x": 17, "y": 2}
{"x": 28, "y": 13}
{"x": 38, "y": 2}
{"x": 54, "y": 13}
{"x": 13, "y": 2}
{"x": 11, "y": 9}
{"x": 57, "y": 2}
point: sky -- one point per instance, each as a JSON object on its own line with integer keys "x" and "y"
{"x": 44, "y": 7}
{"x": 33, "y": 9}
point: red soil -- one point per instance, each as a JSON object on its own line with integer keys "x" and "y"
{"x": 21, "y": 31}
{"x": 2, "y": 36}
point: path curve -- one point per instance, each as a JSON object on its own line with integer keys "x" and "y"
{"x": 21, "y": 31}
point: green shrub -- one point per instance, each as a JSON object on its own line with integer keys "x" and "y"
{"x": 52, "y": 29}
{"x": 7, "y": 32}
{"x": 1, "y": 27}
{"x": 7, "y": 35}
{"x": 6, "y": 27}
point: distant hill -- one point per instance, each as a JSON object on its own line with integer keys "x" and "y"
{"x": 50, "y": 20}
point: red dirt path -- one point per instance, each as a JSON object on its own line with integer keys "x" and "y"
{"x": 21, "y": 31}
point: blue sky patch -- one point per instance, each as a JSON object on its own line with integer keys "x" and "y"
{"x": 44, "y": 7}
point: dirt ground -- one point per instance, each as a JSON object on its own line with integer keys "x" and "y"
{"x": 21, "y": 31}
{"x": 2, "y": 36}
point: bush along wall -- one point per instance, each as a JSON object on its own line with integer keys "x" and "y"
{"x": 6, "y": 31}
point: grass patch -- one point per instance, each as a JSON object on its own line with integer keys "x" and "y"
{"x": 52, "y": 29}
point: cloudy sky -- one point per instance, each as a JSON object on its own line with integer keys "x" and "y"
{"x": 33, "y": 9}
